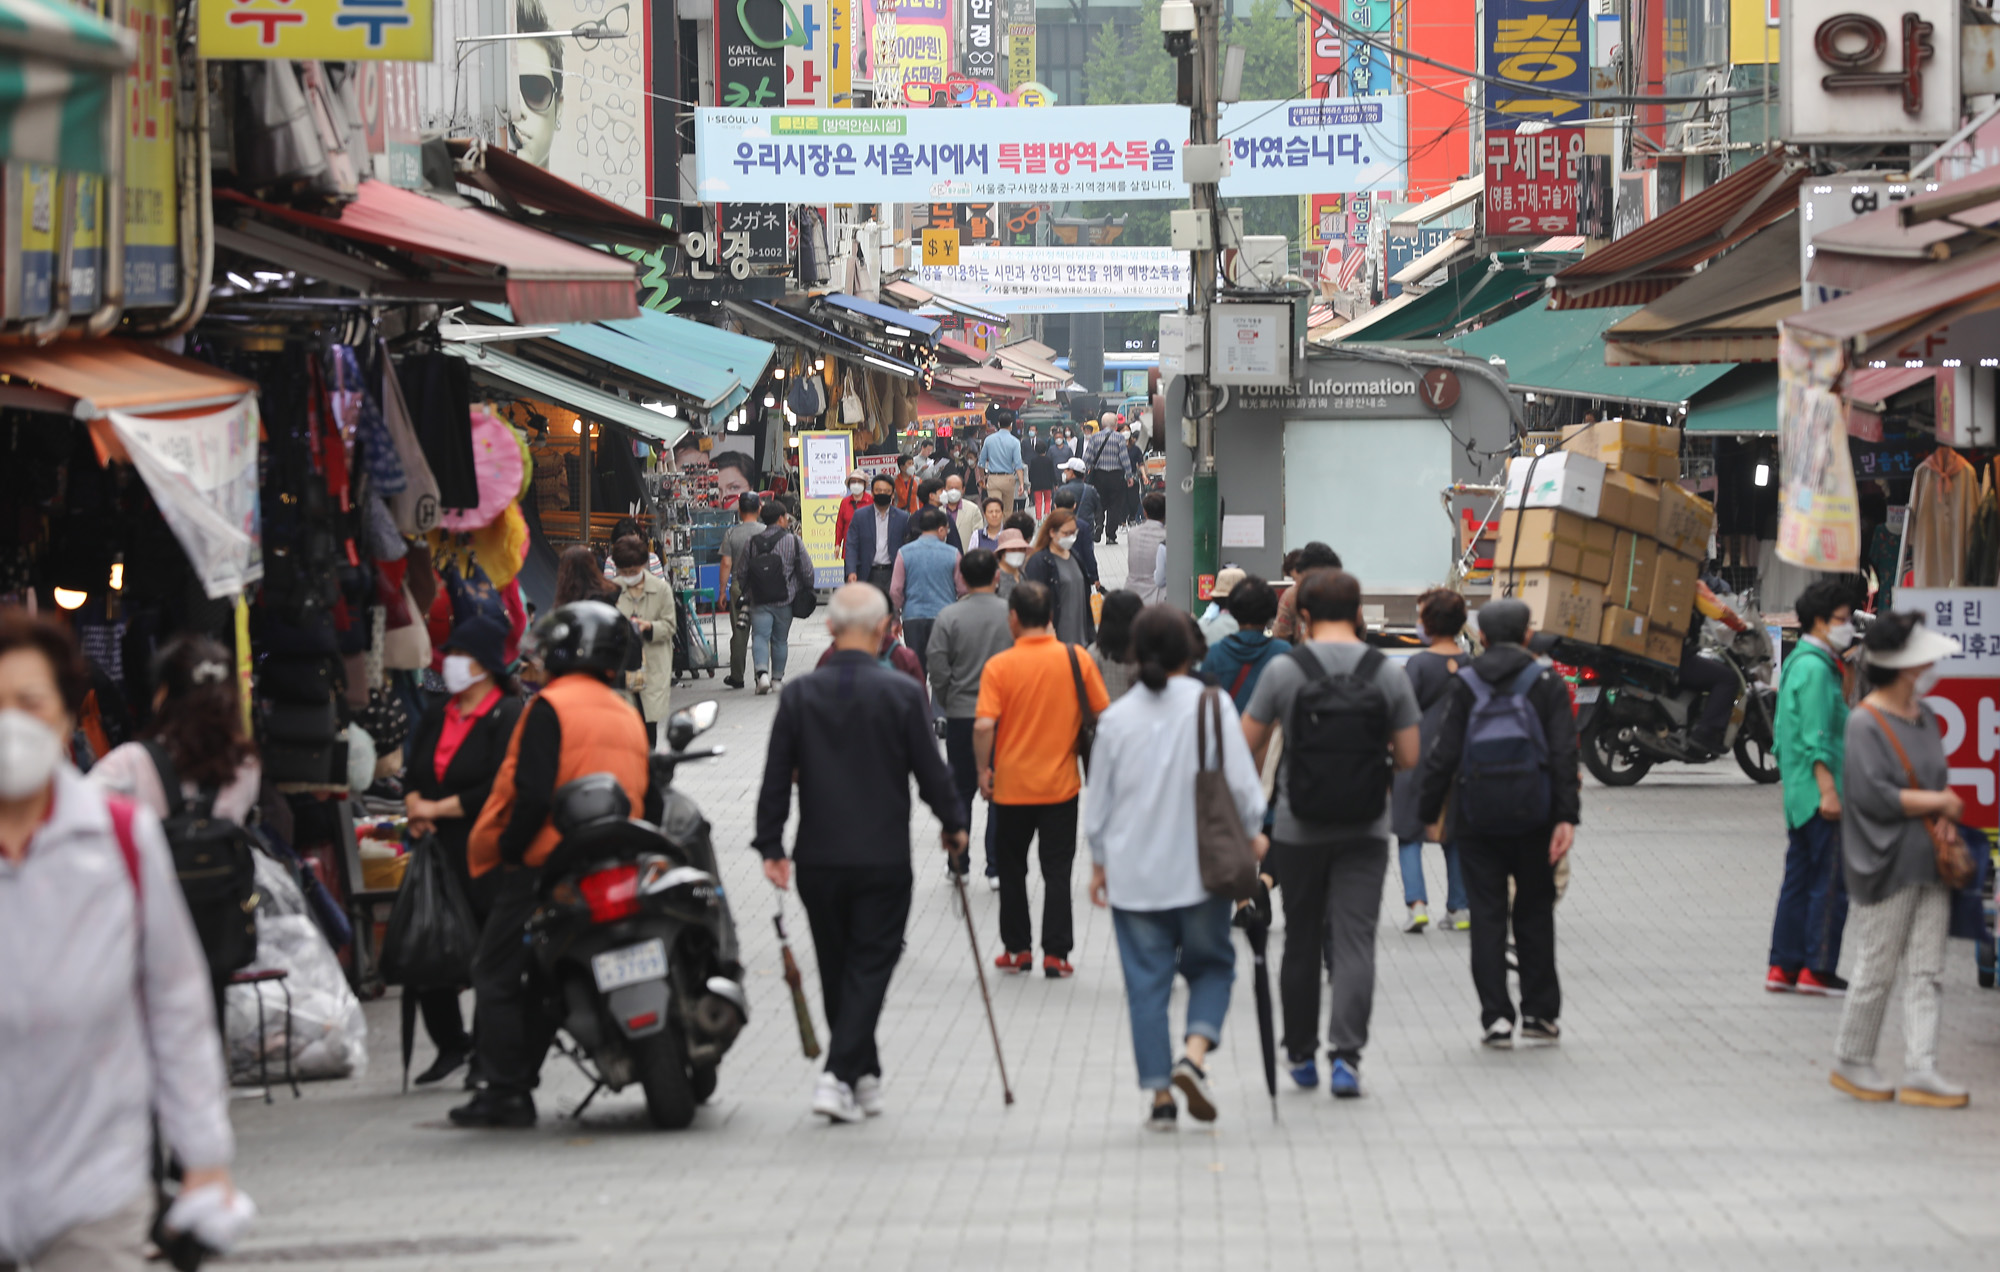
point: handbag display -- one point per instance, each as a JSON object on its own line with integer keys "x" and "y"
{"x": 1086, "y": 732}
{"x": 1228, "y": 862}
{"x": 1954, "y": 863}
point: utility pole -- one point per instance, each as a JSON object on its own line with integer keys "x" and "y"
{"x": 1204, "y": 505}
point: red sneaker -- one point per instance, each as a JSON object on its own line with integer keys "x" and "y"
{"x": 1828, "y": 986}
{"x": 1015, "y": 962}
{"x": 1777, "y": 982}
{"x": 1055, "y": 968}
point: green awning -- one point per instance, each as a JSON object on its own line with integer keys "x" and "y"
{"x": 1450, "y": 305}
{"x": 59, "y": 67}
{"x": 551, "y": 386}
{"x": 1745, "y": 401}
{"x": 1561, "y": 352}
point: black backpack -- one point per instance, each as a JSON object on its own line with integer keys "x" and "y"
{"x": 217, "y": 870}
{"x": 1337, "y": 763}
{"x": 766, "y": 568}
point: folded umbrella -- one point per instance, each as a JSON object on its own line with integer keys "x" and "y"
{"x": 1254, "y": 917}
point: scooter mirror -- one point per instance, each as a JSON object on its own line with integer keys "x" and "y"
{"x": 683, "y": 725}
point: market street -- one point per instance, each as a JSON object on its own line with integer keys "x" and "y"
{"x": 1685, "y": 1120}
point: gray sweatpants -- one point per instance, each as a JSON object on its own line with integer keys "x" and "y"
{"x": 1333, "y": 890}
{"x": 1907, "y": 929}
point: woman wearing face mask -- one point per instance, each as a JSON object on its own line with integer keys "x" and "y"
{"x": 857, "y": 499}
{"x": 909, "y": 486}
{"x": 1896, "y": 778}
{"x": 649, "y": 603}
{"x": 1053, "y": 566}
{"x": 107, "y": 1027}
{"x": 1012, "y": 549}
{"x": 455, "y": 754}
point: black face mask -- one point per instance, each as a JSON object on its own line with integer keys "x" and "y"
{"x": 882, "y": 500}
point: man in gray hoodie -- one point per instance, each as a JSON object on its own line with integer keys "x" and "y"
{"x": 967, "y": 633}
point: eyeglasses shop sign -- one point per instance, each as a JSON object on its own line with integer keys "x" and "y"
{"x": 1868, "y": 73}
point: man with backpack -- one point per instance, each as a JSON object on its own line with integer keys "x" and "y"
{"x": 1350, "y": 720}
{"x": 776, "y": 569}
{"x": 1506, "y": 762}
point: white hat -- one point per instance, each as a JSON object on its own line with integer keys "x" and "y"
{"x": 1226, "y": 580}
{"x": 1923, "y": 648}
{"x": 1073, "y": 462}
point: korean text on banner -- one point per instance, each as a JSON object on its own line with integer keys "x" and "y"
{"x": 1531, "y": 181}
{"x": 1029, "y": 155}
{"x": 202, "y": 472}
{"x": 152, "y": 207}
{"x": 1532, "y": 47}
{"x": 1819, "y": 524}
{"x": 1063, "y": 279}
{"x": 316, "y": 30}
{"x": 1967, "y": 698}
{"x": 823, "y": 460}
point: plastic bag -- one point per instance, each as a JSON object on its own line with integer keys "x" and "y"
{"x": 431, "y": 934}
{"x": 328, "y": 1036}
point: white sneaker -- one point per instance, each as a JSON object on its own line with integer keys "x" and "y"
{"x": 868, "y": 1094}
{"x": 993, "y": 883}
{"x": 834, "y": 1100}
{"x": 763, "y": 682}
{"x": 1499, "y": 1035}
{"x": 1419, "y": 919}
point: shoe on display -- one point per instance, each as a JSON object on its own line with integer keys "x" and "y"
{"x": 1776, "y": 982}
{"x": 495, "y": 1110}
{"x": 1828, "y": 986}
{"x": 1928, "y": 1088}
{"x": 1499, "y": 1035}
{"x": 1418, "y": 919}
{"x": 1862, "y": 1082}
{"x": 1344, "y": 1081}
{"x": 1537, "y": 1030}
{"x": 868, "y": 1094}
{"x": 834, "y": 1100}
{"x": 1305, "y": 1073}
{"x": 1192, "y": 1080}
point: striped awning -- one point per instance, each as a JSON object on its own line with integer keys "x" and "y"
{"x": 59, "y": 67}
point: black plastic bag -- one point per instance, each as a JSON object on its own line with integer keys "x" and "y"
{"x": 431, "y": 934}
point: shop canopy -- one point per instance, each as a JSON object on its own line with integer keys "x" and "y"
{"x": 1034, "y": 360}
{"x": 88, "y": 378}
{"x": 537, "y": 197}
{"x": 787, "y": 325}
{"x": 439, "y": 252}
{"x": 546, "y": 385}
{"x": 1916, "y": 300}
{"x": 986, "y": 382}
{"x": 952, "y": 349}
{"x": 1659, "y": 255}
{"x": 1744, "y": 401}
{"x": 1506, "y": 280}
{"x": 1431, "y": 262}
{"x": 1460, "y": 194}
{"x": 893, "y": 323}
{"x": 909, "y": 293}
{"x": 1561, "y": 352}
{"x": 1727, "y": 313}
{"x": 60, "y": 67}
{"x": 1954, "y": 219}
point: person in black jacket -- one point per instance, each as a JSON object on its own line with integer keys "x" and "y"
{"x": 454, "y": 756}
{"x": 852, "y": 734}
{"x": 1529, "y": 858}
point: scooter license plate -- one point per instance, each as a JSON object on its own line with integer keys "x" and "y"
{"x": 1586, "y": 694}
{"x": 616, "y": 969}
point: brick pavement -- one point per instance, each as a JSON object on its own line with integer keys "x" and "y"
{"x": 1685, "y": 1120}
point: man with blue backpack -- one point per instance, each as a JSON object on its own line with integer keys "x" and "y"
{"x": 1504, "y": 768}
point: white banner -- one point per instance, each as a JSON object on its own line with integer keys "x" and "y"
{"x": 202, "y": 472}
{"x": 1030, "y": 155}
{"x": 1046, "y": 280}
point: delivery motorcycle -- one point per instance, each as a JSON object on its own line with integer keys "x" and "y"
{"x": 1633, "y": 714}
{"x": 634, "y": 947}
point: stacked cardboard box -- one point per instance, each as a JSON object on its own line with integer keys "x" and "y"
{"x": 1601, "y": 542}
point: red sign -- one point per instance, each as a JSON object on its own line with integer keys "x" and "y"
{"x": 1531, "y": 181}
{"x": 1968, "y": 710}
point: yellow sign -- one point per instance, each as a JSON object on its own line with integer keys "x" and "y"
{"x": 1753, "y": 32}
{"x": 324, "y": 30}
{"x": 152, "y": 207}
{"x": 940, "y": 247}
{"x": 824, "y": 462}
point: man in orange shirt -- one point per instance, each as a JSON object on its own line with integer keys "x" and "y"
{"x": 1031, "y": 709}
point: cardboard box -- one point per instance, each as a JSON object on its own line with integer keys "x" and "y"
{"x": 1548, "y": 539}
{"x": 1630, "y": 503}
{"x": 1685, "y": 521}
{"x": 1623, "y": 629}
{"x": 1644, "y": 450}
{"x": 1557, "y": 603}
{"x": 1562, "y": 480}
{"x": 1663, "y": 647}
{"x": 1672, "y": 606}
{"x": 1633, "y": 560}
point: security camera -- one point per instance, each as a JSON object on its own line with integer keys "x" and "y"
{"x": 1177, "y": 24}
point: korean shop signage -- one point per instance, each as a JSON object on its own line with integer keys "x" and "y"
{"x": 315, "y": 30}
{"x": 1538, "y": 50}
{"x": 1869, "y": 73}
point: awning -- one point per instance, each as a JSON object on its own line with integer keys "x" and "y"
{"x": 1460, "y": 194}
{"x": 1433, "y": 261}
{"x": 1509, "y": 279}
{"x": 1918, "y": 299}
{"x": 87, "y": 378}
{"x": 1727, "y": 313}
{"x": 896, "y": 324}
{"x": 952, "y": 349}
{"x": 786, "y": 325}
{"x": 1029, "y": 362}
{"x": 1653, "y": 259}
{"x": 1745, "y": 401}
{"x": 1871, "y": 387}
{"x": 1879, "y": 246}
{"x": 909, "y": 293}
{"x": 449, "y": 253}
{"x": 59, "y": 68}
{"x": 934, "y": 412}
{"x": 537, "y": 197}
{"x": 985, "y": 381}
{"x": 1561, "y": 352}
{"x": 550, "y": 386}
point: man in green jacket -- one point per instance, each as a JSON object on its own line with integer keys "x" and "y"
{"x": 1810, "y": 738}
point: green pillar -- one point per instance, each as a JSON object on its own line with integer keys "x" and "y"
{"x": 1205, "y": 523}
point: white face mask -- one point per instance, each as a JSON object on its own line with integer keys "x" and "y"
{"x": 1014, "y": 558}
{"x": 952, "y": 496}
{"x": 1066, "y": 541}
{"x": 29, "y": 753}
{"x": 1840, "y": 635}
{"x": 633, "y": 579}
{"x": 855, "y": 488}
{"x": 461, "y": 672}
{"x": 1928, "y": 678}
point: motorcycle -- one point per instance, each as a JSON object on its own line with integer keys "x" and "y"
{"x": 1633, "y": 714}
{"x": 635, "y": 949}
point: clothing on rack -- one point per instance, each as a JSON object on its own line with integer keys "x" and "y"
{"x": 1944, "y": 496}
{"x": 1982, "y": 552}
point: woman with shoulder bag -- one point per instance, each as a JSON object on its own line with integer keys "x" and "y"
{"x": 455, "y": 754}
{"x": 1146, "y": 854}
{"x": 649, "y": 603}
{"x": 1903, "y": 855}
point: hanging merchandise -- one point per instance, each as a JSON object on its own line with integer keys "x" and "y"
{"x": 416, "y": 506}
{"x": 360, "y": 420}
{"x": 851, "y": 411}
{"x": 202, "y": 472}
{"x": 807, "y": 399}
{"x": 407, "y": 648}
{"x": 497, "y": 461}
{"x": 1944, "y": 496}
{"x": 498, "y": 548}
{"x": 437, "y": 393}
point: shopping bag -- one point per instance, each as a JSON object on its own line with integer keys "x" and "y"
{"x": 1228, "y": 862}
{"x": 431, "y": 934}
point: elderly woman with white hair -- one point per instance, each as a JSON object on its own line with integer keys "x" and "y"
{"x": 851, "y": 735}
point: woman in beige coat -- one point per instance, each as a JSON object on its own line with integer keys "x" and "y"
{"x": 649, "y": 603}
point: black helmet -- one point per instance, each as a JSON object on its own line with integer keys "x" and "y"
{"x": 581, "y": 636}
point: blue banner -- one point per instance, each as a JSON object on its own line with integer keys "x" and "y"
{"x": 1369, "y": 70}
{"x": 1534, "y": 46}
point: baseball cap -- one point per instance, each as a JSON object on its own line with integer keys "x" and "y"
{"x": 1226, "y": 581}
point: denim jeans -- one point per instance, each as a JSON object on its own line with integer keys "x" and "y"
{"x": 1411, "y": 856}
{"x": 1812, "y": 902}
{"x": 1152, "y": 946}
{"x": 770, "y": 629}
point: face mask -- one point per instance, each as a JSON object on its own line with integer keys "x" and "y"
{"x": 1066, "y": 541}
{"x": 633, "y": 579}
{"x": 1840, "y": 635}
{"x": 1928, "y": 678}
{"x": 1014, "y": 558}
{"x": 29, "y": 753}
{"x": 461, "y": 672}
{"x": 882, "y": 499}
{"x": 855, "y": 488}
{"x": 952, "y": 496}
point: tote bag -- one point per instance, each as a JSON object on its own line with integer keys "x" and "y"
{"x": 1228, "y": 863}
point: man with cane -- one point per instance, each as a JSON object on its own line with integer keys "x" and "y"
{"x": 852, "y": 734}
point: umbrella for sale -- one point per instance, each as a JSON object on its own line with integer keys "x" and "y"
{"x": 496, "y": 459}
{"x": 1254, "y": 917}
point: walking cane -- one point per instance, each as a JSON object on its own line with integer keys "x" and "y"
{"x": 808, "y": 1040}
{"x": 979, "y": 969}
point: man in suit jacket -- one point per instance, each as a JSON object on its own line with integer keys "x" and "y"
{"x": 874, "y": 535}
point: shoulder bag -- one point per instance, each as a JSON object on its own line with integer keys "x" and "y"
{"x": 1086, "y": 731}
{"x": 1954, "y": 863}
{"x": 1228, "y": 863}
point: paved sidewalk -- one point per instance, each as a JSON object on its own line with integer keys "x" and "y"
{"x": 1684, "y": 1122}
